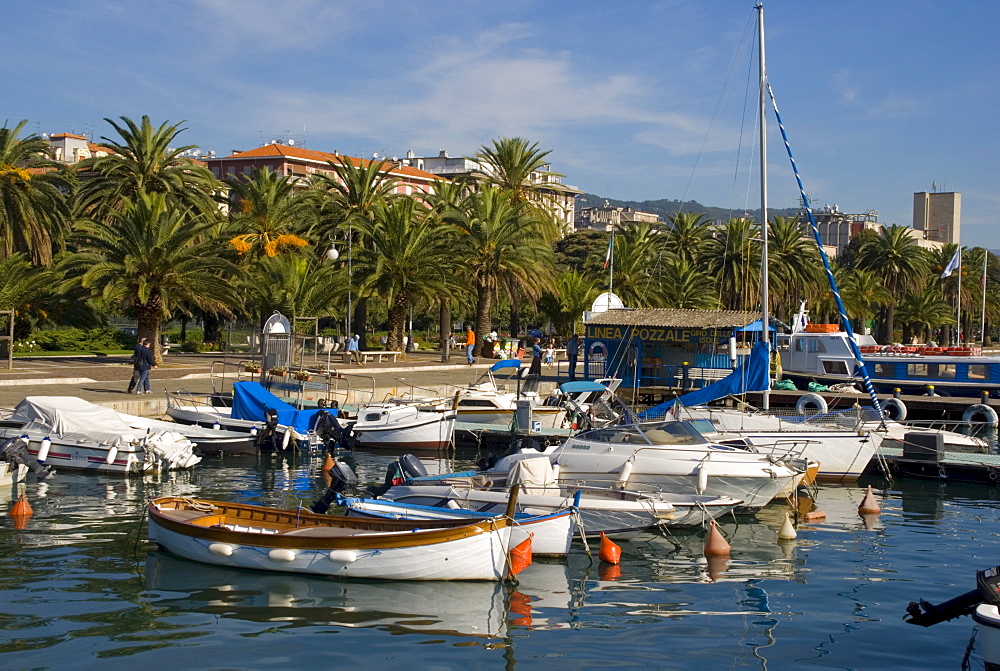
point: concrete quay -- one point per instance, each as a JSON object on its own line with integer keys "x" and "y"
{"x": 104, "y": 379}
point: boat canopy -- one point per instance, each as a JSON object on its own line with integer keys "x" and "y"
{"x": 251, "y": 400}
{"x": 577, "y": 387}
{"x": 505, "y": 363}
{"x": 73, "y": 418}
{"x": 751, "y": 375}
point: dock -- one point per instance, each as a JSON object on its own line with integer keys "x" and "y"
{"x": 950, "y": 467}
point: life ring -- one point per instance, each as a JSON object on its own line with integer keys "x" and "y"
{"x": 807, "y": 402}
{"x": 894, "y": 409}
{"x": 988, "y": 414}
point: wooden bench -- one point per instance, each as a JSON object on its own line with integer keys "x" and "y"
{"x": 373, "y": 355}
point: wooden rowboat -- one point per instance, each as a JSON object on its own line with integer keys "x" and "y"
{"x": 298, "y": 541}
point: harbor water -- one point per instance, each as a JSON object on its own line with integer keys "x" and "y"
{"x": 80, "y": 587}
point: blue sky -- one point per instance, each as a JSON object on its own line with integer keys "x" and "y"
{"x": 636, "y": 100}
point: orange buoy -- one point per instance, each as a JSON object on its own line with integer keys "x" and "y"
{"x": 327, "y": 463}
{"x": 814, "y": 515}
{"x": 610, "y": 552}
{"x": 609, "y": 572}
{"x": 520, "y": 556}
{"x": 715, "y": 544}
{"x": 869, "y": 506}
{"x": 520, "y": 604}
{"x": 20, "y": 512}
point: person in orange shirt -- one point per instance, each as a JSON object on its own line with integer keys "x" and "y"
{"x": 470, "y": 343}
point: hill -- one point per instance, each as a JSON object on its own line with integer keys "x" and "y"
{"x": 664, "y": 207}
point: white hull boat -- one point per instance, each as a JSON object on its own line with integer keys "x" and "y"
{"x": 390, "y": 425}
{"x": 11, "y": 473}
{"x": 207, "y": 440}
{"x": 551, "y": 533}
{"x": 666, "y": 457}
{"x": 843, "y": 452}
{"x": 66, "y": 432}
{"x": 297, "y": 541}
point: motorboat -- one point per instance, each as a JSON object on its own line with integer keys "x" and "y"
{"x": 487, "y": 401}
{"x": 551, "y": 533}
{"x": 254, "y": 410}
{"x": 207, "y": 440}
{"x": 394, "y": 425}
{"x": 298, "y": 541}
{"x": 669, "y": 456}
{"x": 65, "y": 432}
{"x": 842, "y": 443}
{"x": 619, "y": 513}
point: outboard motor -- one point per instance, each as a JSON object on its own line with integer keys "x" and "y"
{"x": 987, "y": 589}
{"x": 393, "y": 476}
{"x": 15, "y": 450}
{"x": 411, "y": 466}
{"x": 267, "y": 438}
{"x": 343, "y": 478}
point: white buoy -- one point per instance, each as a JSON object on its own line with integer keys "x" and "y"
{"x": 43, "y": 451}
{"x": 112, "y": 455}
{"x": 343, "y": 556}
{"x": 286, "y": 439}
{"x": 702, "y": 478}
{"x": 216, "y": 426}
{"x": 253, "y": 431}
{"x": 282, "y": 555}
{"x": 624, "y": 474}
{"x": 787, "y": 531}
{"x": 221, "y": 549}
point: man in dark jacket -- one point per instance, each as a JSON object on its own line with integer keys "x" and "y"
{"x": 135, "y": 367}
{"x": 145, "y": 363}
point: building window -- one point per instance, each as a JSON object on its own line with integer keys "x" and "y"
{"x": 215, "y": 171}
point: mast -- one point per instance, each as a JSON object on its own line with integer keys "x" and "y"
{"x": 765, "y": 320}
{"x": 958, "y": 338}
{"x": 982, "y": 281}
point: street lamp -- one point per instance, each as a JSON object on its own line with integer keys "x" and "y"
{"x": 332, "y": 255}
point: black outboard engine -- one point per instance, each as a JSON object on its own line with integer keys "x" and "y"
{"x": 987, "y": 589}
{"x": 15, "y": 450}
{"x": 411, "y": 466}
{"x": 393, "y": 476}
{"x": 268, "y": 438}
{"x": 343, "y": 478}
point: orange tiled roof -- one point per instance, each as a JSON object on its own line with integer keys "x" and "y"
{"x": 72, "y": 135}
{"x": 322, "y": 157}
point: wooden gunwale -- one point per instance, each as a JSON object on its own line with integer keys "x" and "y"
{"x": 371, "y": 534}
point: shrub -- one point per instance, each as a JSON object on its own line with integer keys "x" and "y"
{"x": 77, "y": 340}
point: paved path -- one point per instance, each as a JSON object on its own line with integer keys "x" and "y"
{"x": 104, "y": 379}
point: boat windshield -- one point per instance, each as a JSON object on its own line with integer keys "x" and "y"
{"x": 672, "y": 433}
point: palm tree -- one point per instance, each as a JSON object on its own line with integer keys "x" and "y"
{"x": 410, "y": 259}
{"x": 352, "y": 193}
{"x": 574, "y": 293}
{"x": 688, "y": 236}
{"x": 25, "y": 289}
{"x": 924, "y": 311}
{"x": 33, "y": 208}
{"x": 734, "y": 259}
{"x": 294, "y": 284}
{"x": 501, "y": 241}
{"x": 894, "y": 258}
{"x": 269, "y": 214}
{"x": 144, "y": 160}
{"x": 151, "y": 257}
{"x": 635, "y": 255}
{"x": 685, "y": 286}
{"x": 793, "y": 264}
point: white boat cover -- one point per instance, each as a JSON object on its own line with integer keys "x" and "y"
{"x": 73, "y": 418}
{"x": 535, "y": 476}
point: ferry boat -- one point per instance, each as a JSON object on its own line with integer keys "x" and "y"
{"x": 822, "y": 353}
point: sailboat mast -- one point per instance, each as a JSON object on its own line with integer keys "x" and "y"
{"x": 958, "y": 338}
{"x": 765, "y": 320}
{"x": 982, "y": 325}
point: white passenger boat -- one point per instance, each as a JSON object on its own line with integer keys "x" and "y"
{"x": 393, "y": 425}
{"x": 551, "y": 533}
{"x": 298, "y": 541}
{"x": 66, "y": 432}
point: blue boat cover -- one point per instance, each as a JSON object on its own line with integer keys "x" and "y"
{"x": 250, "y": 400}
{"x": 505, "y": 363}
{"x": 581, "y": 386}
{"x": 751, "y": 375}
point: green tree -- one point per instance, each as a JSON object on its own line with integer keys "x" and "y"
{"x": 635, "y": 255}
{"x": 685, "y": 286}
{"x": 734, "y": 259}
{"x": 501, "y": 242}
{"x": 269, "y": 214}
{"x": 410, "y": 259}
{"x": 923, "y": 312}
{"x": 574, "y": 293}
{"x": 33, "y": 210}
{"x": 899, "y": 263}
{"x": 151, "y": 257}
{"x": 143, "y": 160}
{"x": 688, "y": 236}
{"x": 296, "y": 285}
{"x": 793, "y": 265}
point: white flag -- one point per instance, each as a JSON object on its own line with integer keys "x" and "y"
{"x": 952, "y": 265}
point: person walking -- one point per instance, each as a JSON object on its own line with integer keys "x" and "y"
{"x": 353, "y": 350}
{"x": 572, "y": 352}
{"x": 536, "y": 358}
{"x": 470, "y": 344}
{"x": 136, "y": 353}
{"x": 146, "y": 363}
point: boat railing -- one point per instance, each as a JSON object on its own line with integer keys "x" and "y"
{"x": 303, "y": 386}
{"x": 207, "y": 401}
{"x": 789, "y": 419}
{"x": 411, "y": 397}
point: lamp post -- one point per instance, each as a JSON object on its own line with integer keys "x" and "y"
{"x": 332, "y": 254}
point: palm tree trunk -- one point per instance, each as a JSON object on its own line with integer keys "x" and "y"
{"x": 483, "y": 308}
{"x": 149, "y": 318}
{"x": 397, "y": 322}
{"x": 515, "y": 312}
{"x": 359, "y": 325}
{"x": 444, "y": 323}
